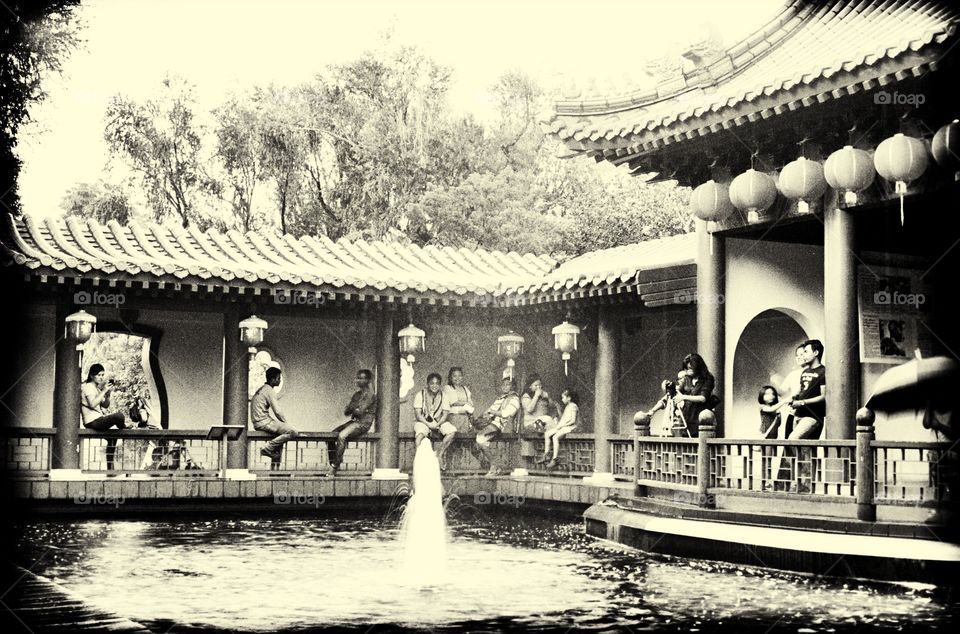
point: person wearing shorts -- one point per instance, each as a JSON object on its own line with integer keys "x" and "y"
{"x": 430, "y": 410}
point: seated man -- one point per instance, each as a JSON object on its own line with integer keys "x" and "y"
{"x": 430, "y": 409}
{"x": 491, "y": 424}
{"x": 362, "y": 410}
{"x": 266, "y": 416}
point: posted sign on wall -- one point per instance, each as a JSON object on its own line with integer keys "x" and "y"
{"x": 893, "y": 306}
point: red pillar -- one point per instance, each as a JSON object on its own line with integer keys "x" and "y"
{"x": 66, "y": 397}
{"x": 841, "y": 340}
{"x": 236, "y": 372}
{"x": 388, "y": 399}
{"x": 711, "y": 302}
{"x": 606, "y": 407}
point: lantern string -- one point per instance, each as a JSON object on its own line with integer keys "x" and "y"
{"x": 802, "y": 143}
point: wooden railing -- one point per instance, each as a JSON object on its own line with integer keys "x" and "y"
{"x": 156, "y": 452}
{"x": 915, "y": 473}
{"x": 310, "y": 454}
{"x": 26, "y": 450}
{"x": 813, "y": 467}
{"x": 865, "y": 471}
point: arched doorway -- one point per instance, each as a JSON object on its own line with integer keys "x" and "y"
{"x": 764, "y": 353}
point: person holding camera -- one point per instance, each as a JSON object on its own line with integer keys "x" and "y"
{"x": 539, "y": 410}
{"x": 430, "y": 410}
{"x": 94, "y": 402}
{"x": 691, "y": 394}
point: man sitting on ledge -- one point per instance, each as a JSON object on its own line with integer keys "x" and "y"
{"x": 491, "y": 424}
{"x": 262, "y": 405}
{"x": 362, "y": 410}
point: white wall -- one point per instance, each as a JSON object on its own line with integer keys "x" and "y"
{"x": 764, "y": 276}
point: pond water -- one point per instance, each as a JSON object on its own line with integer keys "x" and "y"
{"x": 509, "y": 571}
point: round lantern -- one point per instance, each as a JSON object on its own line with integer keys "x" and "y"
{"x": 565, "y": 340}
{"x": 79, "y": 326}
{"x": 803, "y": 181}
{"x": 901, "y": 159}
{"x": 753, "y": 192}
{"x": 849, "y": 171}
{"x": 411, "y": 342}
{"x": 251, "y": 332}
{"x": 946, "y": 147}
{"x": 711, "y": 202}
{"x": 510, "y": 346}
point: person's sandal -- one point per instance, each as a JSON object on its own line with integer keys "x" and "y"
{"x": 552, "y": 463}
{"x": 540, "y": 459}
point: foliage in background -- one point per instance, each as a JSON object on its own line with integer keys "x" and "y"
{"x": 35, "y": 39}
{"x": 121, "y": 356}
{"x": 371, "y": 149}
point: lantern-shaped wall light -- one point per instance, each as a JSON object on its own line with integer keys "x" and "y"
{"x": 79, "y": 326}
{"x": 251, "y": 332}
{"x": 565, "y": 340}
{"x": 946, "y": 147}
{"x": 510, "y": 346}
{"x": 802, "y": 180}
{"x": 753, "y": 192}
{"x": 901, "y": 159}
{"x": 411, "y": 342}
{"x": 849, "y": 171}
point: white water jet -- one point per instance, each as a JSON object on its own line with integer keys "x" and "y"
{"x": 423, "y": 529}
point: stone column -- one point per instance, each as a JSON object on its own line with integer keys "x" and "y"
{"x": 388, "y": 400}
{"x": 65, "y": 461}
{"x": 606, "y": 406}
{"x": 236, "y": 372}
{"x": 841, "y": 339}
{"x": 711, "y": 288}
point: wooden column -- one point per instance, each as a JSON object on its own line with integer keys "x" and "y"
{"x": 841, "y": 340}
{"x": 388, "y": 399}
{"x": 866, "y": 477}
{"x": 711, "y": 289}
{"x": 66, "y": 397}
{"x": 606, "y": 406}
{"x": 236, "y": 372}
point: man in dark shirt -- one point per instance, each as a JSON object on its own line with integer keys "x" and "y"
{"x": 362, "y": 410}
{"x": 810, "y": 403}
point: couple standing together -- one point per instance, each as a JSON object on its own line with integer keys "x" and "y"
{"x": 804, "y": 404}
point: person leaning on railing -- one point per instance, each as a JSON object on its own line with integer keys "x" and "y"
{"x": 491, "y": 424}
{"x": 94, "y": 403}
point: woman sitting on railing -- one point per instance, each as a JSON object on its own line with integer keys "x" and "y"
{"x": 459, "y": 399}
{"x": 568, "y": 423}
{"x": 539, "y": 410}
{"x": 94, "y": 402}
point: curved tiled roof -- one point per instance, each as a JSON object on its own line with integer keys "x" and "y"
{"x": 809, "y": 53}
{"x": 171, "y": 254}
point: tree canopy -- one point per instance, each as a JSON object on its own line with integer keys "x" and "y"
{"x": 372, "y": 149}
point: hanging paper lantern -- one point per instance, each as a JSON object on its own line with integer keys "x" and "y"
{"x": 946, "y": 147}
{"x": 849, "y": 171}
{"x": 803, "y": 181}
{"x": 901, "y": 159}
{"x": 711, "y": 202}
{"x": 565, "y": 340}
{"x": 510, "y": 346}
{"x": 753, "y": 192}
{"x": 411, "y": 342}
